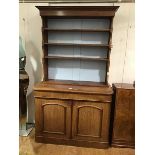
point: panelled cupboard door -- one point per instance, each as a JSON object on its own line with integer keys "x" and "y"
{"x": 90, "y": 121}
{"x": 53, "y": 118}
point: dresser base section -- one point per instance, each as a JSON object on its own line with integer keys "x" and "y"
{"x": 79, "y": 143}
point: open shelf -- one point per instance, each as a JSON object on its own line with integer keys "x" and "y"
{"x": 76, "y": 69}
{"x": 81, "y": 23}
{"x": 77, "y": 49}
{"x": 79, "y": 30}
{"x": 81, "y": 58}
{"x": 76, "y": 44}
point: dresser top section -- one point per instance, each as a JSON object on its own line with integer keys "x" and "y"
{"x": 123, "y": 85}
{"x": 78, "y": 11}
{"x": 60, "y": 86}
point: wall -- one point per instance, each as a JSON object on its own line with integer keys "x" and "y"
{"x": 122, "y": 54}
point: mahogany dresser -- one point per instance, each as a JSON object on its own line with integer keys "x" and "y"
{"x": 73, "y": 101}
{"x": 124, "y": 115}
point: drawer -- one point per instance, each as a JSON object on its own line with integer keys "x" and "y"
{"x": 73, "y": 96}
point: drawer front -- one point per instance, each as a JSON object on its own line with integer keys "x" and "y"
{"x": 73, "y": 96}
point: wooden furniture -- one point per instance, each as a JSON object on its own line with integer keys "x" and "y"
{"x": 124, "y": 116}
{"x": 72, "y": 114}
{"x": 77, "y": 42}
{"x": 23, "y": 85}
{"x": 73, "y": 102}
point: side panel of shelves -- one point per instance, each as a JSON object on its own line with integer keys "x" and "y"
{"x": 108, "y": 54}
{"x": 45, "y": 49}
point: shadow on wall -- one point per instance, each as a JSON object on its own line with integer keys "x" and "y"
{"x": 21, "y": 49}
{"x": 34, "y": 70}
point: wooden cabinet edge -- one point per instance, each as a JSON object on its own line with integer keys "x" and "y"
{"x": 116, "y": 141}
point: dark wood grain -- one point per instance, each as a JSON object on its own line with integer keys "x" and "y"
{"x": 23, "y": 86}
{"x": 90, "y": 121}
{"x": 78, "y": 11}
{"x": 75, "y": 44}
{"x": 58, "y": 113}
{"x": 72, "y": 96}
{"x": 124, "y": 116}
{"x": 74, "y": 88}
{"x": 45, "y": 49}
{"x": 77, "y": 116}
{"x": 76, "y": 58}
{"x": 78, "y": 30}
{"x": 78, "y": 83}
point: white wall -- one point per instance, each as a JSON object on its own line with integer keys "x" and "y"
{"x": 122, "y": 54}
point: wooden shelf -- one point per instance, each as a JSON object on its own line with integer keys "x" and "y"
{"x": 79, "y": 30}
{"x": 74, "y": 58}
{"x": 77, "y": 83}
{"x": 77, "y": 44}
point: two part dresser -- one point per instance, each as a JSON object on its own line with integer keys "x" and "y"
{"x": 73, "y": 102}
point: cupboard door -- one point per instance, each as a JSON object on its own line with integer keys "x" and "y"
{"x": 53, "y": 118}
{"x": 124, "y": 119}
{"x": 90, "y": 121}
